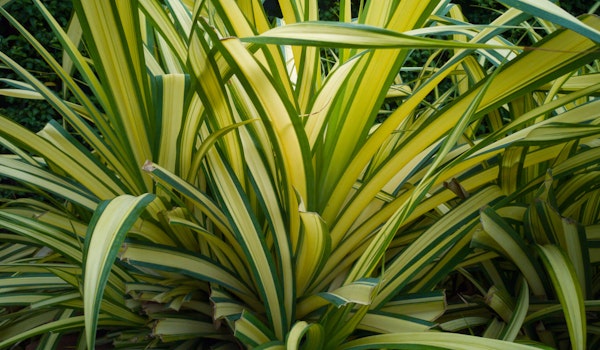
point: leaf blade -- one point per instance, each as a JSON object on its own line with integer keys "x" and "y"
{"x": 565, "y": 281}
{"x": 108, "y": 228}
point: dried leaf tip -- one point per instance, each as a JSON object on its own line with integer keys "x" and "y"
{"x": 148, "y": 166}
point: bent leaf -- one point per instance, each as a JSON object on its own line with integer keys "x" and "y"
{"x": 433, "y": 340}
{"x": 347, "y": 35}
{"x": 108, "y": 228}
{"x": 565, "y": 282}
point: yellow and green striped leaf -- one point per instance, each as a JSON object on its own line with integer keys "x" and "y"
{"x": 567, "y": 287}
{"x": 304, "y": 335}
{"x": 498, "y": 235}
{"x": 433, "y": 340}
{"x": 171, "y": 260}
{"x": 359, "y": 292}
{"x": 346, "y": 35}
{"x": 176, "y": 329}
{"x": 550, "y": 11}
{"x": 514, "y": 325}
{"x": 314, "y": 248}
{"x": 108, "y": 228}
{"x": 252, "y": 331}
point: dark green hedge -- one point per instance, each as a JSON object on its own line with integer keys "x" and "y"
{"x": 32, "y": 114}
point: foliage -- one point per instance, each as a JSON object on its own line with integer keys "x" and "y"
{"x": 31, "y": 113}
{"x": 34, "y": 114}
{"x": 484, "y": 11}
{"x": 212, "y": 186}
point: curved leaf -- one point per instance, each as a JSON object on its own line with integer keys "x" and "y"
{"x": 107, "y": 230}
{"x": 565, "y": 282}
{"x": 309, "y": 335}
{"x": 552, "y": 12}
{"x": 432, "y": 340}
{"x": 351, "y": 35}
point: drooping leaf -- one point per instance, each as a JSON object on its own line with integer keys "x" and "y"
{"x": 108, "y": 228}
{"x": 433, "y": 340}
{"x": 567, "y": 287}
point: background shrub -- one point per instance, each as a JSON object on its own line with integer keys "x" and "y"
{"x": 31, "y": 113}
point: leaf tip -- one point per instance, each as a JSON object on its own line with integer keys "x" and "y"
{"x": 149, "y": 166}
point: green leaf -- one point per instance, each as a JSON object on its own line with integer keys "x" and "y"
{"x": 498, "y": 235}
{"x": 385, "y": 323}
{"x": 251, "y": 331}
{"x": 107, "y": 230}
{"x": 26, "y": 281}
{"x": 314, "y": 248}
{"x": 285, "y": 126}
{"x": 424, "y": 306}
{"x": 351, "y": 35}
{"x": 174, "y": 260}
{"x": 359, "y": 292}
{"x": 567, "y": 287}
{"x": 224, "y": 253}
{"x": 429, "y": 245}
{"x": 46, "y": 180}
{"x": 305, "y": 335}
{"x": 112, "y": 33}
{"x": 176, "y": 329}
{"x": 260, "y": 259}
{"x": 170, "y": 91}
{"x": 519, "y": 313}
{"x": 431, "y": 340}
{"x": 209, "y": 142}
{"x": 341, "y": 322}
{"x": 31, "y": 327}
{"x": 51, "y": 340}
{"x": 552, "y": 12}
{"x": 200, "y": 199}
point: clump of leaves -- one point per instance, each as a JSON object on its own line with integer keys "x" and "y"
{"x": 224, "y": 190}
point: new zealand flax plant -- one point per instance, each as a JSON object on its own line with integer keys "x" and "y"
{"x": 215, "y": 183}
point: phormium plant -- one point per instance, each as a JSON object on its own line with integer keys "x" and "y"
{"x": 213, "y": 186}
